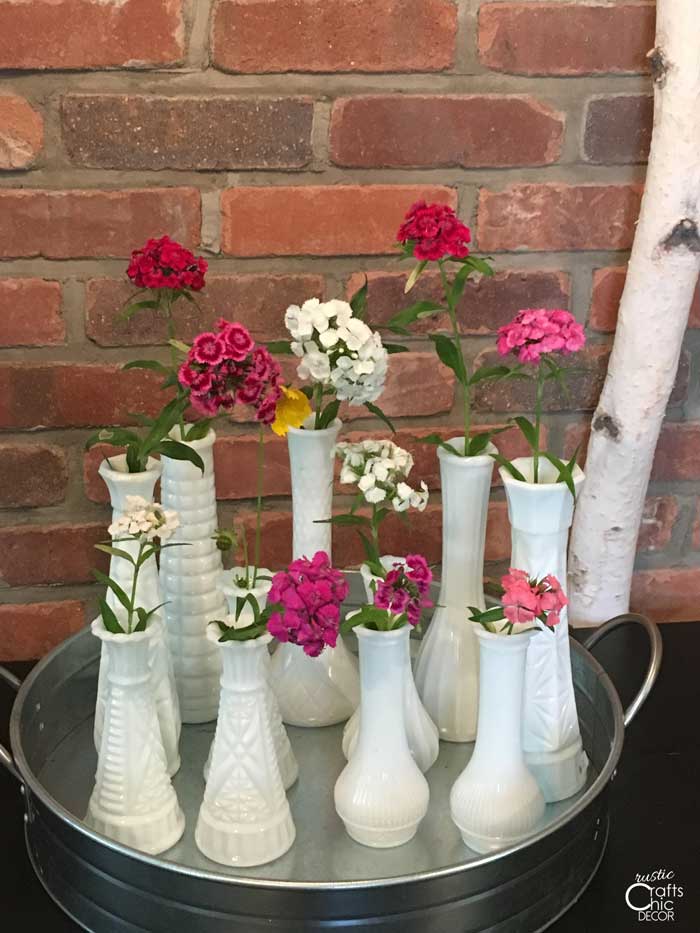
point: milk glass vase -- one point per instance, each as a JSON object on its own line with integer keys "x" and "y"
{"x": 540, "y": 516}
{"x": 189, "y": 579}
{"x": 120, "y": 484}
{"x": 324, "y": 690}
{"x": 447, "y": 669}
{"x": 133, "y": 800}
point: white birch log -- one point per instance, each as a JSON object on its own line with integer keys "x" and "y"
{"x": 661, "y": 279}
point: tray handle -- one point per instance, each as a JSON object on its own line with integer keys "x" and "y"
{"x": 656, "y": 654}
{"x": 6, "y": 758}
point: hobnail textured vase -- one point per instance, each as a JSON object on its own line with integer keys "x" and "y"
{"x": 289, "y": 769}
{"x": 189, "y": 577}
{"x": 421, "y": 731}
{"x": 244, "y": 818}
{"x": 381, "y": 795}
{"x": 120, "y": 484}
{"x": 540, "y": 516}
{"x": 447, "y": 668}
{"x": 133, "y": 801}
{"x": 496, "y": 802}
{"x": 325, "y": 690}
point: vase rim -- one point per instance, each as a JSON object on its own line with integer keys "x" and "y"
{"x": 227, "y": 584}
{"x": 509, "y": 479}
{"x": 98, "y": 629}
{"x": 125, "y": 476}
{"x": 370, "y": 633}
{"x": 248, "y": 644}
{"x": 478, "y": 460}
{"x": 201, "y": 443}
{"x": 517, "y": 640}
{"x": 334, "y": 426}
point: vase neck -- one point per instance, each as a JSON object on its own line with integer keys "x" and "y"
{"x": 128, "y": 660}
{"x": 383, "y": 657}
{"x": 121, "y": 485}
{"x": 245, "y": 665}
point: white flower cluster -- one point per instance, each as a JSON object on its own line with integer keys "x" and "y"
{"x": 337, "y": 349}
{"x": 144, "y": 519}
{"x": 379, "y": 469}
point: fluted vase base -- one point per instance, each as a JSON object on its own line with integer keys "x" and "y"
{"x": 244, "y": 844}
{"x": 153, "y": 834}
{"x": 561, "y": 773}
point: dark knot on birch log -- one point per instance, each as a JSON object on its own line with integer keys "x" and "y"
{"x": 684, "y": 234}
{"x": 659, "y": 65}
{"x": 607, "y": 424}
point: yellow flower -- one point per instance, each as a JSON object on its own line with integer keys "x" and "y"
{"x": 292, "y": 410}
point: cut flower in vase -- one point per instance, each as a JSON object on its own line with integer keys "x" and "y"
{"x": 399, "y": 599}
{"x": 524, "y": 601}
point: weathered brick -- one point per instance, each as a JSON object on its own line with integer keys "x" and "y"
{"x": 485, "y": 305}
{"x": 139, "y": 132}
{"x": 605, "y": 300}
{"x": 537, "y": 38}
{"x": 696, "y": 525}
{"x": 21, "y": 132}
{"x": 658, "y": 521}
{"x": 469, "y": 131}
{"x": 30, "y": 313}
{"x": 257, "y": 301}
{"x": 66, "y": 395}
{"x": 257, "y": 36}
{"x": 618, "y": 129}
{"x": 558, "y": 217}
{"x": 74, "y": 34}
{"x": 416, "y": 385}
{"x": 67, "y": 224}
{"x": 236, "y": 463}
{"x": 94, "y": 485}
{"x": 32, "y": 555}
{"x": 318, "y": 220}
{"x": 32, "y": 475}
{"x": 31, "y": 630}
{"x": 667, "y": 594}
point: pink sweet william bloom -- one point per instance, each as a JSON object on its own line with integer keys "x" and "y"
{"x": 309, "y": 594}
{"x": 209, "y": 349}
{"x": 535, "y": 331}
{"x": 435, "y": 231}
{"x": 520, "y": 603}
{"x": 404, "y": 589}
{"x": 238, "y": 341}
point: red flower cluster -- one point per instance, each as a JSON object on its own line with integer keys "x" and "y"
{"x": 164, "y": 263}
{"x": 226, "y": 368}
{"x": 525, "y": 600}
{"x": 405, "y": 588}
{"x": 309, "y": 595}
{"x": 435, "y": 232}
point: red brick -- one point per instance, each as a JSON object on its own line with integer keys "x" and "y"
{"x": 696, "y": 525}
{"x": 558, "y": 217}
{"x": 566, "y": 39}
{"x": 32, "y": 555}
{"x": 257, "y": 301}
{"x": 21, "y": 132}
{"x": 605, "y": 301}
{"x": 235, "y": 460}
{"x": 485, "y": 306}
{"x": 94, "y": 485}
{"x": 416, "y": 385}
{"x": 74, "y": 34}
{"x": 31, "y": 475}
{"x": 67, "y": 224}
{"x": 667, "y": 594}
{"x": 469, "y": 131}
{"x": 317, "y": 220}
{"x": 30, "y": 313}
{"x": 67, "y": 395}
{"x": 30, "y": 631}
{"x": 257, "y": 36}
{"x": 658, "y": 521}
{"x": 138, "y": 132}
{"x": 618, "y": 129}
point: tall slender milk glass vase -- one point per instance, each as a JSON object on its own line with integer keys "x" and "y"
{"x": 447, "y": 670}
{"x": 324, "y": 690}
{"x": 190, "y": 578}
{"x": 540, "y": 516}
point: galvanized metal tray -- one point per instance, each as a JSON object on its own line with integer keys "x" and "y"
{"x": 434, "y": 884}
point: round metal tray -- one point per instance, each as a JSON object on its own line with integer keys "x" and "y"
{"x": 434, "y": 884}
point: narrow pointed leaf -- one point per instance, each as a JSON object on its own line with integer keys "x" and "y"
{"x": 565, "y": 472}
{"x": 116, "y": 552}
{"x": 177, "y": 451}
{"x": 450, "y": 355}
{"x": 329, "y": 414}
{"x": 109, "y": 618}
{"x": 280, "y": 347}
{"x": 358, "y": 302}
{"x": 409, "y": 315}
{"x": 378, "y": 413}
{"x": 415, "y": 274}
{"x": 489, "y": 372}
{"x": 512, "y": 469}
{"x": 528, "y": 430}
{"x": 395, "y": 348}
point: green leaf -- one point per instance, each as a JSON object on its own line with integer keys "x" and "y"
{"x": 155, "y": 365}
{"x": 479, "y": 442}
{"x": 109, "y": 618}
{"x": 308, "y": 391}
{"x": 439, "y": 442}
{"x": 513, "y": 470}
{"x": 528, "y": 430}
{"x": 450, "y": 355}
{"x": 395, "y": 348}
{"x": 329, "y": 414}
{"x": 135, "y": 462}
{"x": 566, "y": 472}
{"x": 143, "y": 619}
{"x": 198, "y": 430}
{"x": 345, "y": 520}
{"x": 118, "y": 437}
{"x": 358, "y": 302}
{"x": 280, "y": 347}
{"x": 378, "y": 413}
{"x": 179, "y": 345}
{"x": 169, "y": 416}
{"x": 177, "y": 451}
{"x": 415, "y": 273}
{"x": 460, "y": 280}
{"x": 131, "y": 309}
{"x": 489, "y": 372}
{"x": 368, "y": 615}
{"x": 479, "y": 265}
{"x": 115, "y": 552}
{"x": 229, "y": 633}
{"x": 114, "y": 587}
{"x": 409, "y": 315}
{"x": 372, "y": 555}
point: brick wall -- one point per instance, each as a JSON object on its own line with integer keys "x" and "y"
{"x": 284, "y": 139}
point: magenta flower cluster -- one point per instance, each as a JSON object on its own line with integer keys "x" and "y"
{"x": 310, "y": 593}
{"x": 226, "y": 368}
{"x": 405, "y": 588}
{"x": 535, "y": 331}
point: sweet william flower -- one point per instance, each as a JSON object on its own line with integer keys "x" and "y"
{"x": 435, "y": 232}
{"x": 535, "y": 331}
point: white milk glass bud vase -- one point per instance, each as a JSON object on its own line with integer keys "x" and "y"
{"x": 244, "y": 818}
{"x": 189, "y": 577}
{"x": 496, "y": 802}
{"x": 289, "y": 769}
{"x": 121, "y": 484}
{"x": 540, "y": 516}
{"x": 325, "y": 690}
{"x": 133, "y": 801}
{"x": 381, "y": 795}
{"x": 447, "y": 669}
{"x": 421, "y": 732}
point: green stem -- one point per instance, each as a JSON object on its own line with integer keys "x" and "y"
{"x": 168, "y": 306}
{"x": 318, "y": 403}
{"x": 375, "y": 531}
{"x": 538, "y": 422}
{"x": 245, "y": 559}
{"x": 132, "y": 598}
{"x": 466, "y": 401}
{"x": 258, "y": 516}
